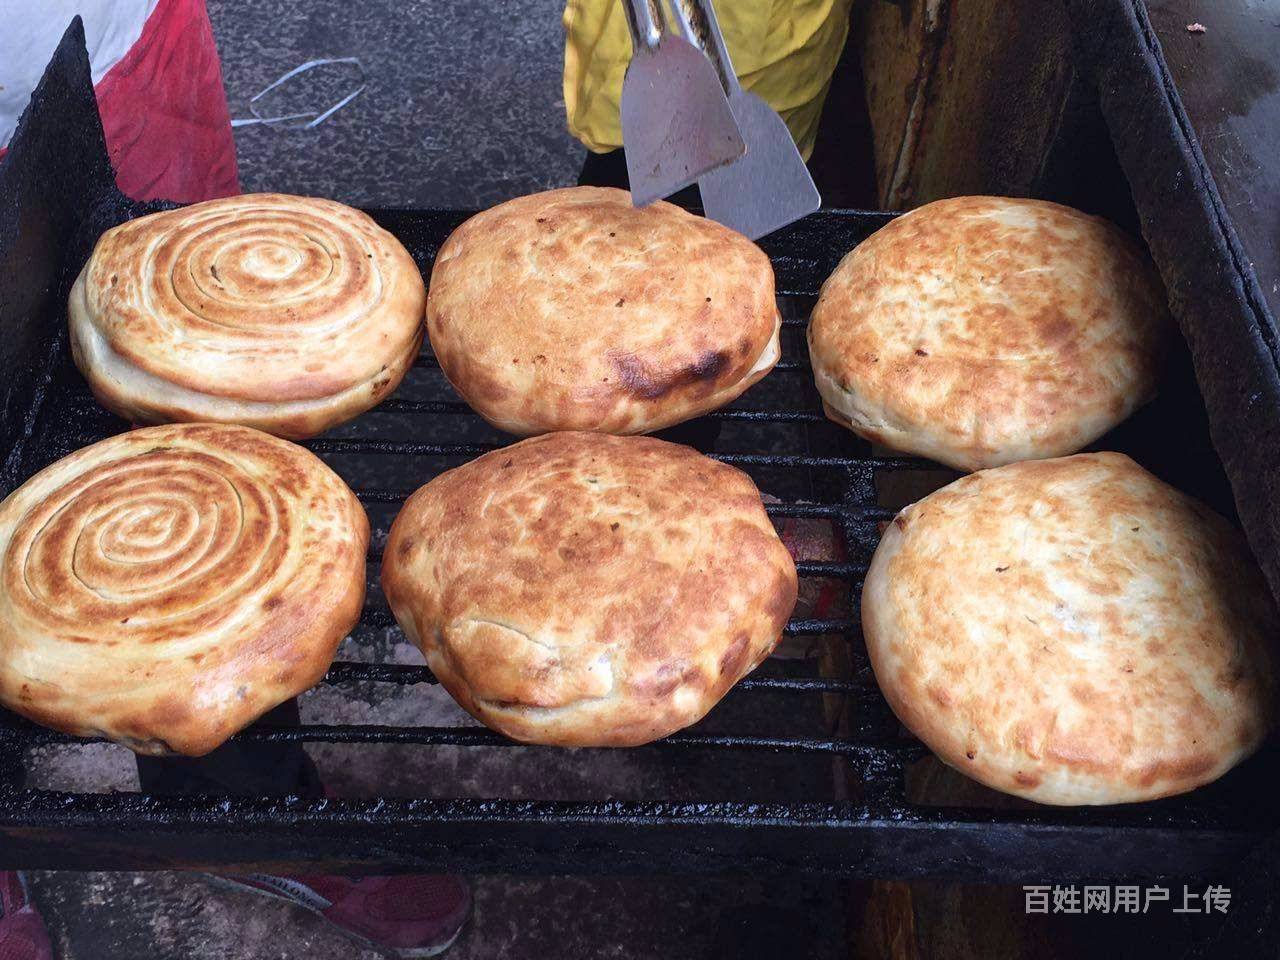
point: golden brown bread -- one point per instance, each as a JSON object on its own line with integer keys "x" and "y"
{"x": 1073, "y": 631}
{"x": 979, "y": 331}
{"x": 588, "y": 590}
{"x": 573, "y": 310}
{"x": 288, "y": 314}
{"x": 167, "y": 586}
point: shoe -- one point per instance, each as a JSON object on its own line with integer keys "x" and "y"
{"x": 22, "y": 932}
{"x": 415, "y": 915}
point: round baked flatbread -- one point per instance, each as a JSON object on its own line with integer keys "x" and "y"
{"x": 166, "y": 587}
{"x": 1073, "y": 631}
{"x": 288, "y": 314}
{"x": 573, "y": 310}
{"x": 588, "y": 590}
{"x": 980, "y": 331}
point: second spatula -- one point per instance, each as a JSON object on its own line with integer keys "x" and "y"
{"x": 769, "y": 186}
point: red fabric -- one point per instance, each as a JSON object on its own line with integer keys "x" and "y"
{"x": 403, "y": 913}
{"x": 22, "y": 932}
{"x": 165, "y": 113}
{"x": 420, "y": 897}
{"x": 413, "y": 914}
{"x": 332, "y": 888}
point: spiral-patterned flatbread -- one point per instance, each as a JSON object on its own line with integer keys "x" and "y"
{"x": 167, "y": 586}
{"x": 289, "y": 314}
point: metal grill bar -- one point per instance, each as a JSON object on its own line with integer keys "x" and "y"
{"x": 346, "y": 446}
{"x": 861, "y": 513}
{"x": 410, "y": 448}
{"x": 814, "y": 627}
{"x": 431, "y": 362}
{"x": 380, "y": 617}
{"x": 482, "y": 737}
{"x": 396, "y": 405}
{"x": 805, "y": 568}
{"x": 890, "y": 748}
{"x": 405, "y": 674}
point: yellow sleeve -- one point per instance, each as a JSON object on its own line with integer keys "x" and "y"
{"x": 783, "y": 50}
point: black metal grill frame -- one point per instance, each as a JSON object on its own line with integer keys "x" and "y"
{"x": 878, "y": 832}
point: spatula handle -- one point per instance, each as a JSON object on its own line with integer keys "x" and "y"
{"x": 645, "y": 32}
{"x": 695, "y": 20}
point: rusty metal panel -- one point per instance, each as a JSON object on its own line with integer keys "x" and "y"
{"x": 964, "y": 98}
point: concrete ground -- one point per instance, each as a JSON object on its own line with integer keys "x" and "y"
{"x": 170, "y": 916}
{"x": 461, "y": 106}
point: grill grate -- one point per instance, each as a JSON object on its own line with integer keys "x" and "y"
{"x": 865, "y": 822}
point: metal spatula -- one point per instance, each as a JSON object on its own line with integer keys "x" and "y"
{"x": 676, "y": 121}
{"x": 770, "y": 185}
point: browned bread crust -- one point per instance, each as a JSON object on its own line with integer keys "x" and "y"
{"x": 1073, "y": 631}
{"x": 573, "y": 310}
{"x": 979, "y": 331}
{"x": 167, "y": 586}
{"x": 288, "y": 314}
{"x": 588, "y": 590}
